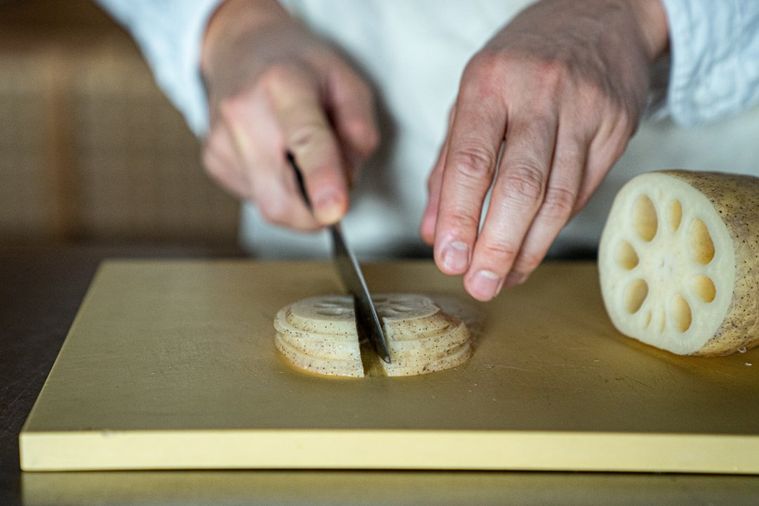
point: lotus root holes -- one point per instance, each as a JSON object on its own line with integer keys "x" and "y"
{"x": 644, "y": 218}
{"x": 635, "y": 295}
{"x": 701, "y": 244}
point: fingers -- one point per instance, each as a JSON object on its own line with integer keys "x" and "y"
{"x": 546, "y": 80}
{"x": 271, "y": 181}
{"x": 518, "y": 194}
{"x": 434, "y": 184}
{"x": 307, "y": 134}
{"x": 246, "y": 132}
{"x": 352, "y": 109}
{"x": 566, "y": 176}
{"x": 475, "y": 140}
{"x": 606, "y": 147}
{"x": 278, "y": 88}
{"x": 222, "y": 163}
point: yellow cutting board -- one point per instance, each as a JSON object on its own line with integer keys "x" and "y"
{"x": 171, "y": 365}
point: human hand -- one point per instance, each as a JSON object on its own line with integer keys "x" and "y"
{"x": 563, "y": 87}
{"x": 275, "y": 87}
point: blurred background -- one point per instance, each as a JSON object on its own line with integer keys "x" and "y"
{"x": 92, "y": 155}
{"x": 91, "y": 152}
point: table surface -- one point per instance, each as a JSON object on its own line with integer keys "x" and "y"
{"x": 40, "y": 291}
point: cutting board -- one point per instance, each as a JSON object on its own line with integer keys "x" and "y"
{"x": 171, "y": 365}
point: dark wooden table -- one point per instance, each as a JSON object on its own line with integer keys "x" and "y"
{"x": 40, "y": 291}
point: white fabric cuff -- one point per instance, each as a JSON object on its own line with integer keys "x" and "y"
{"x": 715, "y": 58}
{"x": 170, "y": 34}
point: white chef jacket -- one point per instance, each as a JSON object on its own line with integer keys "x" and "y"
{"x": 414, "y": 52}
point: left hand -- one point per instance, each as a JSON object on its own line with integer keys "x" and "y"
{"x": 563, "y": 86}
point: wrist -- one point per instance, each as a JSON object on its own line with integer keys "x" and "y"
{"x": 235, "y": 17}
{"x": 652, "y": 20}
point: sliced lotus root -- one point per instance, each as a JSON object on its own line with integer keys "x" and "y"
{"x": 679, "y": 261}
{"x": 318, "y": 334}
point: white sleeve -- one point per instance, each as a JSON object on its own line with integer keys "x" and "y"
{"x": 170, "y": 34}
{"x": 714, "y": 47}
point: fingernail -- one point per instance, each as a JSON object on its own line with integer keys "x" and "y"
{"x": 485, "y": 284}
{"x": 328, "y": 208}
{"x": 456, "y": 256}
{"x": 514, "y": 279}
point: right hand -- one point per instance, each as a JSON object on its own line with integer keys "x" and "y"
{"x": 275, "y": 87}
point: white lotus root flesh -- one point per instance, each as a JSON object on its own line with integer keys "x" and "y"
{"x": 679, "y": 261}
{"x": 318, "y": 334}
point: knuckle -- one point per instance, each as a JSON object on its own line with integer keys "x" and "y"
{"x": 230, "y": 109}
{"x": 484, "y": 62}
{"x": 552, "y": 71}
{"x": 461, "y": 220}
{"x": 277, "y": 75}
{"x": 498, "y": 253}
{"x": 484, "y": 76}
{"x": 558, "y": 202}
{"x": 524, "y": 183}
{"x": 473, "y": 162}
{"x": 307, "y": 134}
{"x": 234, "y": 112}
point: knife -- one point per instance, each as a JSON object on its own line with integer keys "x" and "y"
{"x": 368, "y": 323}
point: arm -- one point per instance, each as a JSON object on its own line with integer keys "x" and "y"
{"x": 272, "y": 87}
{"x": 715, "y": 58}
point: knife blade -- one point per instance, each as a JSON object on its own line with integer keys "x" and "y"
{"x": 368, "y": 323}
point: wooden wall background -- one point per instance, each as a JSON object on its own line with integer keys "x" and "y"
{"x": 90, "y": 150}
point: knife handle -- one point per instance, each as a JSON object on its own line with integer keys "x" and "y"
{"x": 299, "y": 179}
